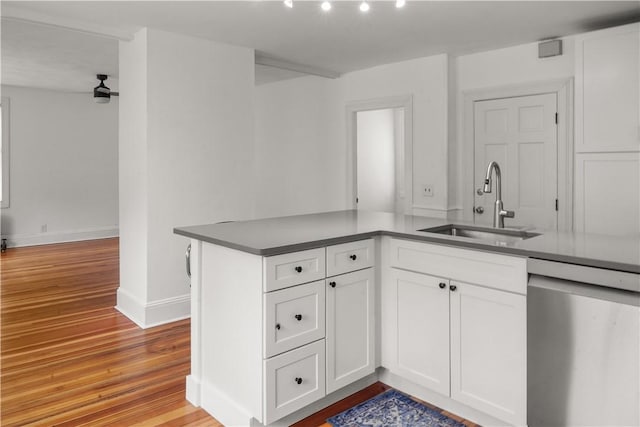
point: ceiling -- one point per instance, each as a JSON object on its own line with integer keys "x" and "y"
{"x": 341, "y": 41}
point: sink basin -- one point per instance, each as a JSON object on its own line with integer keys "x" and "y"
{"x": 499, "y": 236}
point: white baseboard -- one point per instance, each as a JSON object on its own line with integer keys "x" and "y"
{"x": 154, "y": 313}
{"x": 20, "y": 240}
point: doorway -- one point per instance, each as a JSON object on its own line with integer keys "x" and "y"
{"x": 379, "y": 164}
{"x": 380, "y": 152}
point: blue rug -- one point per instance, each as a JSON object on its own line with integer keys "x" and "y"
{"x": 392, "y": 409}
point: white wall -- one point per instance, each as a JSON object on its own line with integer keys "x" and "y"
{"x": 299, "y": 152}
{"x": 189, "y": 121}
{"x": 63, "y": 167}
{"x": 308, "y": 115}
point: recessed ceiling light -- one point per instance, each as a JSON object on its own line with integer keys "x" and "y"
{"x": 400, "y": 3}
{"x": 288, "y": 3}
{"x": 326, "y": 6}
{"x": 364, "y": 7}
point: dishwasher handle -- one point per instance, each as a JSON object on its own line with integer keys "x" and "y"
{"x": 187, "y": 257}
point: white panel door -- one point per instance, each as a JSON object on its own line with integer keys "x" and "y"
{"x": 489, "y": 351}
{"x": 520, "y": 134}
{"x": 421, "y": 308}
{"x": 350, "y": 328}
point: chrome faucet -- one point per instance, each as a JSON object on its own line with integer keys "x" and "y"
{"x": 498, "y": 211}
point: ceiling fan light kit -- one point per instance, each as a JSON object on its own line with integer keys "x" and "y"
{"x": 101, "y": 93}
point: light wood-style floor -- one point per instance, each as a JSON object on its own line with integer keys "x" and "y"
{"x": 68, "y": 358}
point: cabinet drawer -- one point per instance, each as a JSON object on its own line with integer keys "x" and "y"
{"x": 350, "y": 257}
{"x": 293, "y": 317}
{"x": 282, "y": 271}
{"x": 293, "y": 380}
{"x": 492, "y": 270}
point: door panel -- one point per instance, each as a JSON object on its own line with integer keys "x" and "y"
{"x": 520, "y": 134}
{"x": 489, "y": 351}
{"x": 421, "y": 308}
{"x": 350, "y": 328}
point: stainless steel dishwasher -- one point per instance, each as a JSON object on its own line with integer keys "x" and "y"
{"x": 583, "y": 351}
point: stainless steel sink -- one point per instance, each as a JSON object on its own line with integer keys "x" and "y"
{"x": 499, "y": 236}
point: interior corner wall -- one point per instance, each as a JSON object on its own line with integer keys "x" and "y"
{"x": 193, "y": 130}
{"x": 63, "y": 167}
{"x": 308, "y": 114}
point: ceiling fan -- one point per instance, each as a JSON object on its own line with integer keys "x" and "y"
{"x": 101, "y": 93}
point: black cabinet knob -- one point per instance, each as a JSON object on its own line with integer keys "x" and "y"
{"x": 332, "y": 284}
{"x": 442, "y": 285}
{"x": 453, "y": 288}
{"x": 298, "y": 380}
{"x": 298, "y": 269}
{"x": 278, "y": 326}
{"x": 353, "y": 257}
{"x": 298, "y": 317}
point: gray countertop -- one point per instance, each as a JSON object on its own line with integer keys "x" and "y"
{"x": 273, "y": 236}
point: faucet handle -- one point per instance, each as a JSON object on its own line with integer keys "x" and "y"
{"x": 507, "y": 214}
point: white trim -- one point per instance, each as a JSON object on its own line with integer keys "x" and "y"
{"x": 269, "y": 61}
{"x": 430, "y": 211}
{"x": 18, "y": 14}
{"x": 6, "y": 149}
{"x": 406, "y": 102}
{"x": 563, "y": 88}
{"x": 154, "y": 313}
{"x": 19, "y": 240}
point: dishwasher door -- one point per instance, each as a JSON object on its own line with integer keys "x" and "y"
{"x": 583, "y": 354}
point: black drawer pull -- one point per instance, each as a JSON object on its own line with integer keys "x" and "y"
{"x": 278, "y": 326}
{"x": 298, "y": 317}
{"x": 442, "y": 285}
{"x": 298, "y": 380}
{"x": 332, "y": 284}
{"x": 298, "y": 269}
{"x": 353, "y": 257}
{"x": 453, "y": 288}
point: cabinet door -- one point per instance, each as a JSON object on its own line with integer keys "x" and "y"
{"x": 488, "y": 351}
{"x": 350, "y": 328}
{"x": 419, "y": 307}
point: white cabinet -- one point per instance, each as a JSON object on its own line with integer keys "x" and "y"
{"x": 462, "y": 340}
{"x": 350, "y": 334}
{"x": 607, "y": 131}
{"x": 420, "y": 303}
{"x": 272, "y": 335}
{"x": 488, "y": 350}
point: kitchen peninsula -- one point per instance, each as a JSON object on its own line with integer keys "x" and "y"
{"x": 292, "y": 314}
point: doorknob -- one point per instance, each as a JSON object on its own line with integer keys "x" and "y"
{"x": 479, "y": 209}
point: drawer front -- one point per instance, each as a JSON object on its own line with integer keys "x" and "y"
{"x": 488, "y": 269}
{"x": 293, "y": 317}
{"x": 293, "y": 380}
{"x": 283, "y": 271}
{"x": 350, "y": 256}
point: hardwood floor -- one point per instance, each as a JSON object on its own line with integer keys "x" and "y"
{"x": 68, "y": 358}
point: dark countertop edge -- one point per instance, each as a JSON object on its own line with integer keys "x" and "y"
{"x": 443, "y": 240}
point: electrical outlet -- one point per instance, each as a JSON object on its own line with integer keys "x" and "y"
{"x": 427, "y": 190}
{"x": 43, "y": 228}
